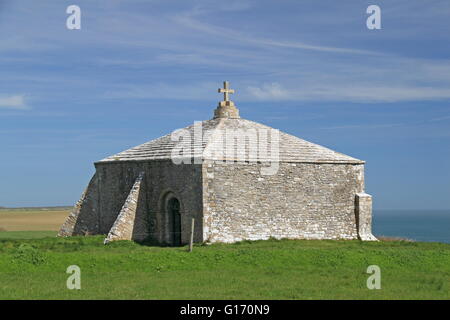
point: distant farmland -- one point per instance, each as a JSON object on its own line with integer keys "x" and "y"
{"x": 31, "y": 222}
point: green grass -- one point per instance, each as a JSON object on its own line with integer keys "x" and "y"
{"x": 286, "y": 269}
{"x": 26, "y": 234}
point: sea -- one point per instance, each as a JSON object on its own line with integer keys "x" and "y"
{"x": 418, "y": 225}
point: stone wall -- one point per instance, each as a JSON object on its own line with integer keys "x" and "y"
{"x": 303, "y": 200}
{"x": 161, "y": 177}
{"x": 230, "y": 202}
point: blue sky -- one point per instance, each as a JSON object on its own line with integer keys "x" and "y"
{"x": 140, "y": 69}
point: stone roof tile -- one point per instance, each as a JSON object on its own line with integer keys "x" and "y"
{"x": 214, "y": 147}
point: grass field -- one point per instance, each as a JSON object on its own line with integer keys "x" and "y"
{"x": 33, "y": 266}
{"x": 22, "y": 235}
{"x": 285, "y": 269}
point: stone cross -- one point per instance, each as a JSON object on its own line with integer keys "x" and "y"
{"x": 226, "y": 91}
{"x": 226, "y": 108}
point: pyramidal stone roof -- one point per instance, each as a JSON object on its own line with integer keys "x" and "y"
{"x": 227, "y": 137}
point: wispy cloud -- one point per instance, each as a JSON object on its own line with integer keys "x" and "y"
{"x": 332, "y": 91}
{"x": 271, "y": 91}
{"x": 13, "y": 102}
{"x": 364, "y": 126}
{"x": 440, "y": 118}
{"x": 290, "y": 91}
{"x": 187, "y": 19}
{"x": 185, "y": 44}
{"x": 192, "y": 91}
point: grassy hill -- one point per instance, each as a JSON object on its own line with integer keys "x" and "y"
{"x": 286, "y": 269}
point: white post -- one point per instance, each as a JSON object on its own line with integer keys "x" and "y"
{"x": 191, "y": 241}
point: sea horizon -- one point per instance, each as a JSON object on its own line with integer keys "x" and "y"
{"x": 413, "y": 224}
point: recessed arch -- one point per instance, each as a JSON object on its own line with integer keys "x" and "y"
{"x": 171, "y": 218}
{"x": 174, "y": 219}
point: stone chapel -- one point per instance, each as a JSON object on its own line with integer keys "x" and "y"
{"x": 238, "y": 179}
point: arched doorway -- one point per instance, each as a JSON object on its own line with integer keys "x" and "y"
{"x": 173, "y": 213}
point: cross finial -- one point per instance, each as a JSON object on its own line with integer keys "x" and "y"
{"x": 226, "y": 108}
{"x": 226, "y": 91}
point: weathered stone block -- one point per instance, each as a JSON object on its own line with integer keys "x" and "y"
{"x": 363, "y": 212}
